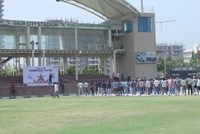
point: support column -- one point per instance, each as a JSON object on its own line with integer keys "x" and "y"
{"x": 39, "y": 38}
{"x": 28, "y": 63}
{"x": 114, "y": 64}
{"x": 76, "y": 69}
{"x": 110, "y": 39}
{"x": 66, "y": 64}
{"x": 76, "y": 39}
{"x": 43, "y": 58}
{"x": 33, "y": 51}
{"x": 16, "y": 42}
{"x": 16, "y": 66}
{"x": 111, "y": 66}
{"x": 39, "y": 60}
{"x": 105, "y": 66}
{"x": 28, "y": 38}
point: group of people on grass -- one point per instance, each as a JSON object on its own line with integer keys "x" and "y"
{"x": 170, "y": 86}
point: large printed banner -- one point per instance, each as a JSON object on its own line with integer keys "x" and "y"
{"x": 145, "y": 57}
{"x": 36, "y": 76}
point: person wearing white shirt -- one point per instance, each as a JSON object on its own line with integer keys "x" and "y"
{"x": 156, "y": 88}
{"x": 86, "y": 88}
{"x": 56, "y": 90}
{"x": 164, "y": 86}
{"x": 148, "y": 85}
{"x": 198, "y": 85}
{"x": 80, "y": 88}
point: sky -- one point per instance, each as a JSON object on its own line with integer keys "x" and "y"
{"x": 185, "y": 30}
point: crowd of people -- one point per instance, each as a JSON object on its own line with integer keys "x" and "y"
{"x": 170, "y": 86}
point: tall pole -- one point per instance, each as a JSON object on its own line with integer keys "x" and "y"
{"x": 142, "y": 6}
{"x": 165, "y": 61}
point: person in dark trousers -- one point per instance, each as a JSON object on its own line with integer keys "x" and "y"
{"x": 50, "y": 79}
{"x": 104, "y": 88}
{"x": 92, "y": 87}
{"x": 13, "y": 88}
{"x": 62, "y": 88}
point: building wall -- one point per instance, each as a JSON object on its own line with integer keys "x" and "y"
{"x": 138, "y": 42}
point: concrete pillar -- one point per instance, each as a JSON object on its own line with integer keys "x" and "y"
{"x": 114, "y": 64}
{"x": 66, "y": 64}
{"x": 39, "y": 38}
{"x": 105, "y": 66}
{"x": 76, "y": 69}
{"x": 33, "y": 51}
{"x": 110, "y": 39}
{"x": 43, "y": 58}
{"x": 28, "y": 63}
{"x": 111, "y": 65}
{"x": 76, "y": 39}
{"x": 40, "y": 60}
{"x": 101, "y": 68}
{"x": 28, "y": 38}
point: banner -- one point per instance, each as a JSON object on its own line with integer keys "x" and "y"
{"x": 37, "y": 76}
{"x": 145, "y": 57}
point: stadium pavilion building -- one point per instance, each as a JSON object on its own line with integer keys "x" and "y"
{"x": 126, "y": 38}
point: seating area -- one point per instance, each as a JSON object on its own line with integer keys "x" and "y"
{"x": 23, "y": 90}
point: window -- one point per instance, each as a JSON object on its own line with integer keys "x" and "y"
{"x": 128, "y": 26}
{"x": 144, "y": 24}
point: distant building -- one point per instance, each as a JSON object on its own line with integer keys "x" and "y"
{"x": 174, "y": 50}
{"x": 1, "y": 17}
{"x": 187, "y": 55}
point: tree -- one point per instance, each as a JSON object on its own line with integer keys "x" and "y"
{"x": 71, "y": 70}
{"x": 90, "y": 70}
{"x": 9, "y": 70}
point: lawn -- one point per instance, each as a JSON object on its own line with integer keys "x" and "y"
{"x": 101, "y": 115}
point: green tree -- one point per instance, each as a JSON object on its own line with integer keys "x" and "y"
{"x": 90, "y": 70}
{"x": 9, "y": 70}
{"x": 71, "y": 70}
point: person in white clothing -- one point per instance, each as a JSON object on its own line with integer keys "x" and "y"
{"x": 156, "y": 88}
{"x": 148, "y": 86}
{"x": 86, "y": 88}
{"x": 56, "y": 90}
{"x": 164, "y": 86}
{"x": 80, "y": 88}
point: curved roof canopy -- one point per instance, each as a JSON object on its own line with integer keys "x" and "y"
{"x": 105, "y": 9}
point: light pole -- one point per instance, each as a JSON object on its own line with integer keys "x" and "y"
{"x": 142, "y": 6}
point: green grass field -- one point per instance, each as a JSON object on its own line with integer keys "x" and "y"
{"x": 101, "y": 115}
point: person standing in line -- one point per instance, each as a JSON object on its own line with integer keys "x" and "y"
{"x": 125, "y": 85}
{"x": 156, "y": 88}
{"x": 176, "y": 86}
{"x": 142, "y": 87}
{"x": 180, "y": 85}
{"x": 62, "y": 88}
{"x": 92, "y": 87}
{"x": 104, "y": 88}
{"x": 86, "y": 88}
{"x": 114, "y": 87}
{"x": 198, "y": 85}
{"x": 13, "y": 88}
{"x": 151, "y": 87}
{"x": 148, "y": 86}
{"x": 184, "y": 85}
{"x": 194, "y": 85}
{"x": 189, "y": 83}
{"x": 133, "y": 86}
{"x": 99, "y": 87}
{"x": 113, "y": 75}
{"x": 80, "y": 86}
{"x": 164, "y": 87}
{"x": 118, "y": 76}
{"x": 96, "y": 86}
{"x": 56, "y": 90}
{"x": 109, "y": 88}
{"x": 50, "y": 79}
{"x": 169, "y": 82}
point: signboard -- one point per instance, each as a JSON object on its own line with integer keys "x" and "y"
{"x": 116, "y": 25}
{"x": 183, "y": 72}
{"x": 52, "y": 24}
{"x": 37, "y": 76}
{"x": 145, "y": 57}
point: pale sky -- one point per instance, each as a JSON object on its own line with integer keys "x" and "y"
{"x": 186, "y": 12}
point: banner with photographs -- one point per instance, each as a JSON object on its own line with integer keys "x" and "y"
{"x": 145, "y": 57}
